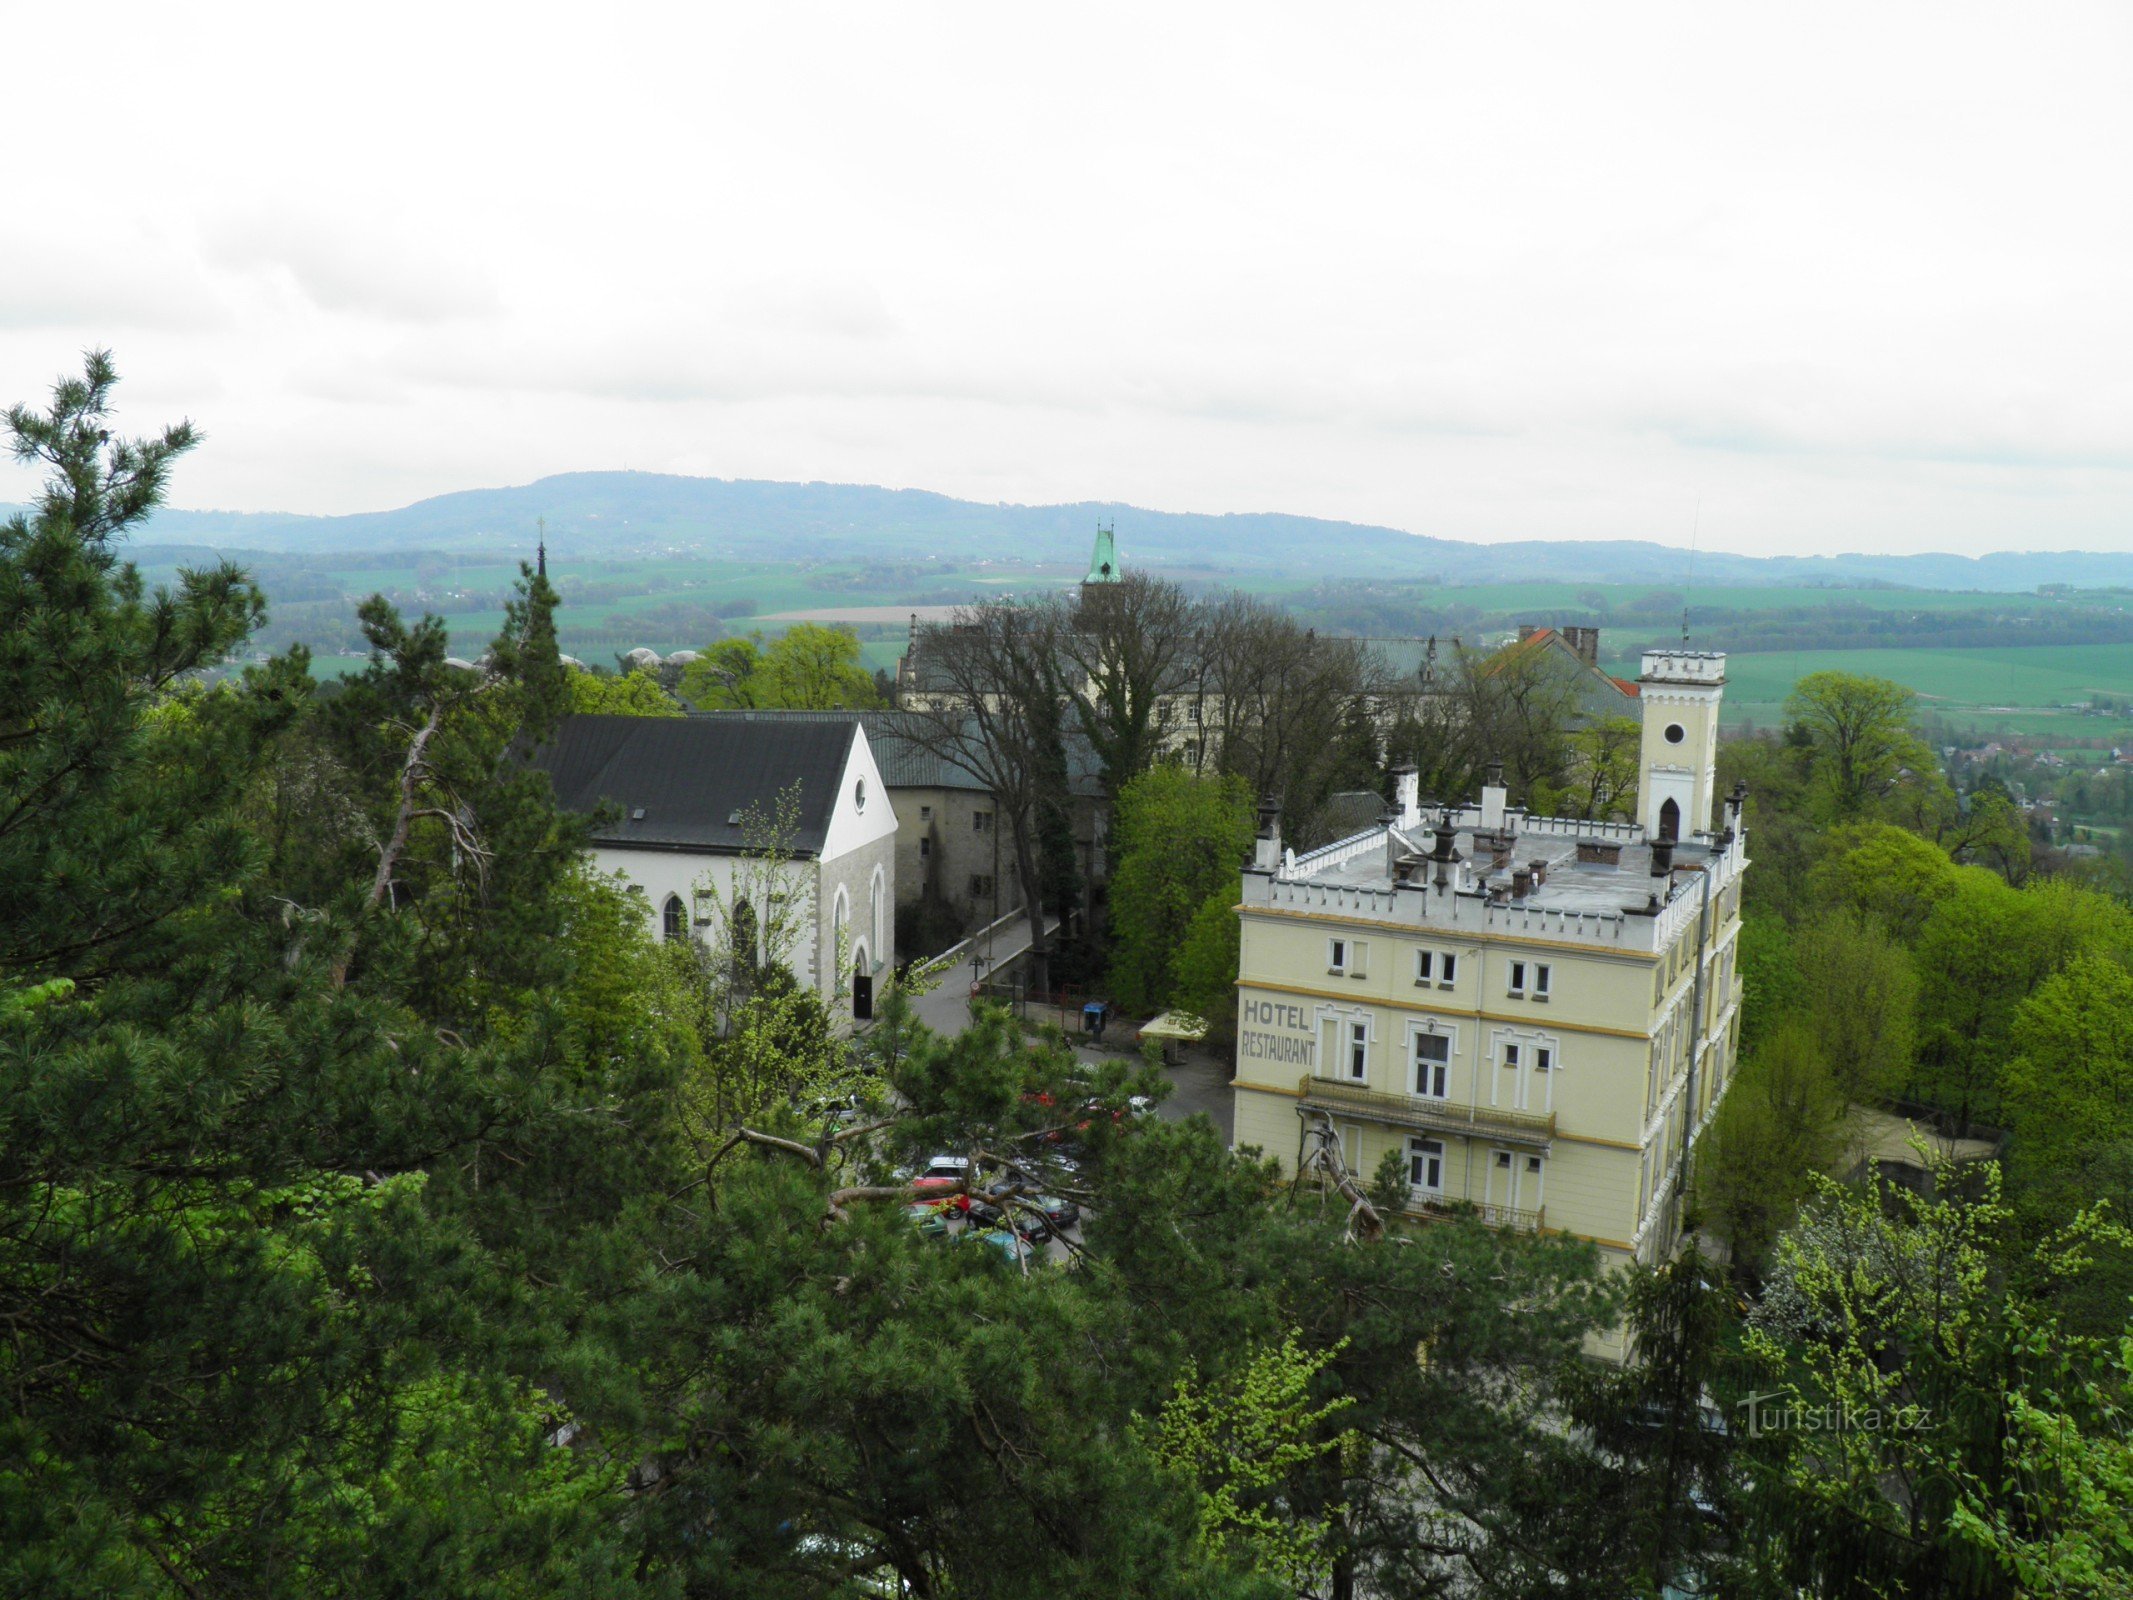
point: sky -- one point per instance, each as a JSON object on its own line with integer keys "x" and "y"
{"x": 1796, "y": 278}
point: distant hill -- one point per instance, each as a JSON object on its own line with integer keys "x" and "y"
{"x": 594, "y": 514}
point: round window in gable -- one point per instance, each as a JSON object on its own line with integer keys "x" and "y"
{"x": 859, "y": 794}
{"x": 1675, "y": 733}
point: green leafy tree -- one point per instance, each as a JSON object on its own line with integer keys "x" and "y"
{"x": 725, "y": 676}
{"x": 1860, "y": 993}
{"x": 1769, "y": 975}
{"x": 1978, "y": 1445}
{"x": 631, "y": 694}
{"x": 810, "y": 667}
{"x": 1179, "y": 840}
{"x": 1240, "y": 1443}
{"x": 1983, "y": 951}
{"x": 1778, "y": 1126}
{"x": 1205, "y": 970}
{"x": 1883, "y": 872}
{"x": 1859, "y": 730}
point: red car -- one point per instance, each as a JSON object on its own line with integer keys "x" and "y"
{"x": 929, "y": 1188}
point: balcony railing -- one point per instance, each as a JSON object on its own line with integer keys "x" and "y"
{"x": 1421, "y": 1203}
{"x": 1435, "y": 1116}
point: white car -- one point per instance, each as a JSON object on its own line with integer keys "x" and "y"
{"x": 957, "y": 1167}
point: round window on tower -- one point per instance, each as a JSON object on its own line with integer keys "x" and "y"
{"x": 859, "y": 794}
{"x": 1675, "y": 733}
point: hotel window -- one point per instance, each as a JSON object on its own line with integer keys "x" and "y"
{"x": 1433, "y": 1065}
{"x": 1336, "y": 955}
{"x": 1435, "y": 966}
{"x": 1425, "y": 966}
{"x": 1347, "y": 956}
{"x": 1358, "y": 1052}
{"x": 1541, "y": 975}
{"x": 1510, "y": 1055}
{"x": 1516, "y": 982}
{"x": 1425, "y": 1165}
{"x": 1543, "y": 1058}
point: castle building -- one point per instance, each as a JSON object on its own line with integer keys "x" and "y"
{"x": 1537, "y": 1016}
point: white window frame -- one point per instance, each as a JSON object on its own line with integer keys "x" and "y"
{"x": 1425, "y": 968}
{"x": 1421, "y": 1152}
{"x": 1337, "y": 956}
{"x": 1355, "y": 1049}
{"x": 1543, "y": 976}
{"x": 1447, "y": 968}
{"x": 1515, "y": 979}
{"x": 1441, "y": 1070}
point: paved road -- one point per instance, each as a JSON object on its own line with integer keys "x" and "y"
{"x": 947, "y": 1008}
{"x": 1200, "y": 1082}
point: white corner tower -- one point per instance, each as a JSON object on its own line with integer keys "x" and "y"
{"x": 1680, "y": 691}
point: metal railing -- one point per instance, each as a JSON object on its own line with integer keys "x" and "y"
{"x": 1437, "y": 1116}
{"x": 1421, "y": 1203}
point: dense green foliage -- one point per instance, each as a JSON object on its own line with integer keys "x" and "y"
{"x": 1180, "y": 839}
{"x": 806, "y": 668}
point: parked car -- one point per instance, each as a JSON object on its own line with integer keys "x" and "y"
{"x": 1010, "y": 1247}
{"x": 990, "y": 1214}
{"x": 1061, "y": 1214}
{"x": 942, "y": 1192}
{"x": 930, "y": 1217}
{"x": 957, "y": 1167}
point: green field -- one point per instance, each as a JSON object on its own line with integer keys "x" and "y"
{"x": 2029, "y": 690}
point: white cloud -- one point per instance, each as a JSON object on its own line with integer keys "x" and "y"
{"x": 1849, "y": 277}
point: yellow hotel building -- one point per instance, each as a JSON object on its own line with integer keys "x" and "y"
{"x": 1538, "y": 1014}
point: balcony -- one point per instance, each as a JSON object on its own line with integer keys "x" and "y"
{"x": 1436, "y": 1207}
{"x": 1433, "y": 1116}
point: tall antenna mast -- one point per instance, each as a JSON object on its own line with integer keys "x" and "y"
{"x": 1689, "y": 592}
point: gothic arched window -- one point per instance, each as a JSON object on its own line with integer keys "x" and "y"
{"x": 675, "y": 919}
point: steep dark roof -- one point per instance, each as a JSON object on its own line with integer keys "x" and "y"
{"x": 694, "y": 777}
{"x": 897, "y": 740}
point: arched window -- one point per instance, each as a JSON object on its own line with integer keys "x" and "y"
{"x": 675, "y": 919}
{"x": 875, "y": 909}
{"x": 1670, "y": 820}
{"x": 745, "y": 933}
{"x": 840, "y": 925}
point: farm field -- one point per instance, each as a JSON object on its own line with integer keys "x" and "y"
{"x": 2014, "y": 689}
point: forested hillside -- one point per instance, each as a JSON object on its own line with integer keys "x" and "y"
{"x": 609, "y": 514}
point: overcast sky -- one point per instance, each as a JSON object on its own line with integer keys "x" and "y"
{"x": 1845, "y": 277}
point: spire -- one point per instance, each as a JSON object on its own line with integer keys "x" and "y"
{"x": 541, "y": 550}
{"x": 1103, "y": 560}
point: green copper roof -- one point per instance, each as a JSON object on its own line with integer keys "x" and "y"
{"x": 1103, "y": 560}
